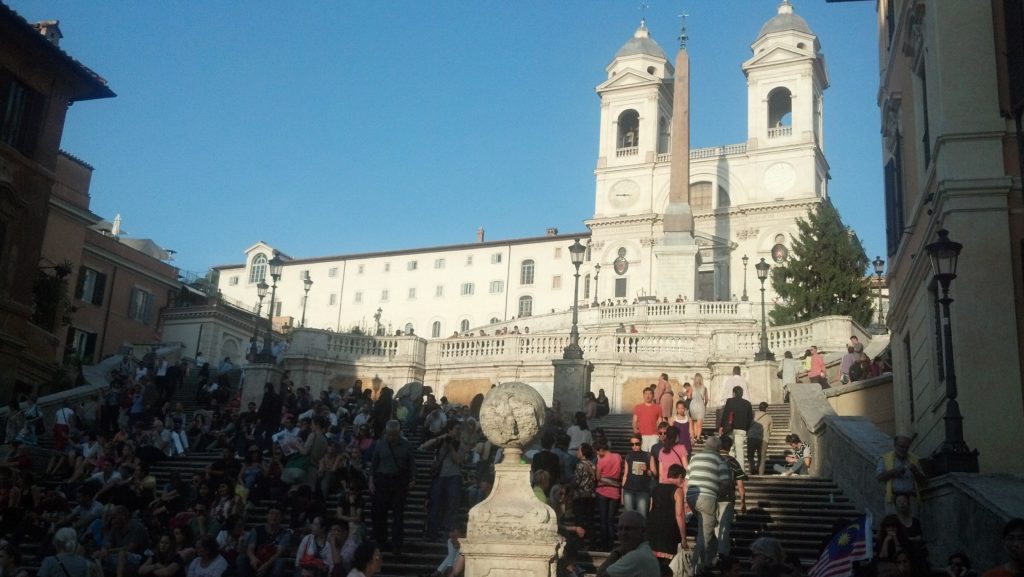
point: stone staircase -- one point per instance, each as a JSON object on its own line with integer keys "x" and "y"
{"x": 800, "y": 511}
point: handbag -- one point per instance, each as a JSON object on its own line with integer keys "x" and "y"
{"x": 682, "y": 564}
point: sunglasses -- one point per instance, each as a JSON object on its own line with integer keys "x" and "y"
{"x": 634, "y": 443}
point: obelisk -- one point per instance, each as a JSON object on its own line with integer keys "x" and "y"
{"x": 677, "y": 251}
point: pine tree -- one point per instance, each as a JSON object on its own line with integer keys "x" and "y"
{"x": 824, "y": 274}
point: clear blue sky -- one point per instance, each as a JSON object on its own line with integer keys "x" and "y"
{"x": 338, "y": 127}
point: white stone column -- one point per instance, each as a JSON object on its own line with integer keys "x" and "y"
{"x": 511, "y": 533}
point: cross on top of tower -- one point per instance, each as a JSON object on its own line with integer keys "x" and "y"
{"x": 643, "y": 14}
{"x": 683, "y": 37}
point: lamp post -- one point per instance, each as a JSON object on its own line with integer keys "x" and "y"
{"x": 879, "y": 265}
{"x": 275, "y": 265}
{"x": 763, "y": 354}
{"x": 953, "y": 455}
{"x": 745, "y": 259}
{"x": 308, "y": 282}
{"x": 573, "y": 351}
{"x": 261, "y": 293}
{"x": 597, "y": 273}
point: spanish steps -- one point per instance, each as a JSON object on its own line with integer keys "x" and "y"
{"x": 798, "y": 510}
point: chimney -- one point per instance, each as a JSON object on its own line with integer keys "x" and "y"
{"x": 480, "y": 235}
{"x": 552, "y": 231}
{"x": 50, "y": 29}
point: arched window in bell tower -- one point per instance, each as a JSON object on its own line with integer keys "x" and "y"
{"x": 629, "y": 129}
{"x": 780, "y": 112}
{"x": 664, "y": 135}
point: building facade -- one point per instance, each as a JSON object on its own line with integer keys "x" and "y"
{"x": 117, "y": 286}
{"x": 951, "y": 89}
{"x": 38, "y": 82}
{"x": 745, "y": 199}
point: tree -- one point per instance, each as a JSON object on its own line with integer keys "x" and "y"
{"x": 825, "y": 273}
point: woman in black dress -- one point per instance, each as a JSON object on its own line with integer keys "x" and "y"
{"x": 666, "y": 521}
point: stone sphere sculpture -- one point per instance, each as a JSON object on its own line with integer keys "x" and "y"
{"x": 512, "y": 415}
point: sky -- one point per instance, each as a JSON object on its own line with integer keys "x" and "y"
{"x": 339, "y": 127}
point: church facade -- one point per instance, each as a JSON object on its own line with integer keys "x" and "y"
{"x": 743, "y": 199}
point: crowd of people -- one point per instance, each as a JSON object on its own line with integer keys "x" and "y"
{"x": 98, "y": 509}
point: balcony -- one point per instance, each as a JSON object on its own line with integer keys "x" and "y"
{"x": 624, "y": 152}
{"x": 780, "y": 131}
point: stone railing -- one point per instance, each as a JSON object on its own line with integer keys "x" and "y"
{"x": 780, "y": 131}
{"x": 827, "y": 333}
{"x": 623, "y": 152}
{"x": 707, "y": 152}
{"x": 351, "y": 348}
{"x": 505, "y": 349}
{"x": 643, "y": 312}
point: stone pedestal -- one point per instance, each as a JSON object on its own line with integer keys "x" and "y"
{"x": 677, "y": 266}
{"x": 764, "y": 386}
{"x": 511, "y": 533}
{"x": 570, "y": 384}
{"x": 257, "y": 375}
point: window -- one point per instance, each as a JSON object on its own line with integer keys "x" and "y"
{"x": 409, "y": 329}
{"x": 233, "y": 281}
{"x": 387, "y": 267}
{"x": 556, "y": 281}
{"x": 894, "y": 218}
{"x": 360, "y": 269}
{"x": 435, "y": 329}
{"x": 333, "y": 300}
{"x": 438, "y": 263}
{"x": 780, "y": 108}
{"x": 467, "y": 288}
{"x": 140, "y": 306}
{"x": 332, "y": 272}
{"x": 526, "y": 272}
{"x": 497, "y": 286}
{"x": 91, "y": 286}
{"x": 258, "y": 269}
{"x": 412, "y": 293}
{"x": 439, "y": 290}
{"x": 620, "y": 288}
{"x": 525, "y": 306}
{"x": 464, "y": 325}
{"x": 412, "y": 265}
{"x": 83, "y": 343}
{"x": 558, "y": 252}
{"x": 664, "y": 136}
{"x": 359, "y": 297}
{"x": 21, "y": 110}
{"x": 384, "y": 295}
{"x": 469, "y": 260}
{"x": 496, "y": 258}
{"x": 629, "y": 129}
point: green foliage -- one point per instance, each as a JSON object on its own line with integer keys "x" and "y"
{"x": 825, "y": 274}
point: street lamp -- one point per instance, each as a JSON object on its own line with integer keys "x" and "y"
{"x": 573, "y": 351}
{"x": 308, "y": 281}
{"x": 763, "y": 354}
{"x": 879, "y": 265}
{"x": 745, "y": 259}
{"x": 261, "y": 292}
{"x": 953, "y": 455}
{"x": 597, "y": 273}
{"x": 276, "y": 265}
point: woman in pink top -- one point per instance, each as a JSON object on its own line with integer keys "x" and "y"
{"x": 609, "y": 491}
{"x": 672, "y": 452}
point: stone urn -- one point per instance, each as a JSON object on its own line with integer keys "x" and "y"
{"x": 511, "y": 533}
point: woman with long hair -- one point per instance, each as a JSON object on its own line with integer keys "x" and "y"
{"x": 698, "y": 406}
{"x": 681, "y": 422}
{"x": 666, "y": 523}
{"x": 584, "y": 484}
{"x": 579, "y": 432}
{"x": 317, "y": 546}
{"x": 672, "y": 452}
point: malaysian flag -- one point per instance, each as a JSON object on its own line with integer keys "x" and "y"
{"x": 851, "y": 543}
